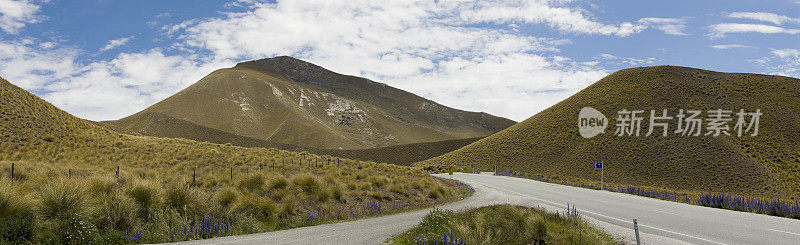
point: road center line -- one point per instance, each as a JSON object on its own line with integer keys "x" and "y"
{"x": 665, "y": 212}
{"x": 796, "y": 234}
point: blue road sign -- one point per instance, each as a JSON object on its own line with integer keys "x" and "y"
{"x": 598, "y": 165}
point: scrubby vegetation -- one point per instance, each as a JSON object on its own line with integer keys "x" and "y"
{"x": 548, "y": 144}
{"x": 503, "y": 224}
{"x": 161, "y": 125}
{"x": 405, "y": 155}
{"x": 75, "y": 182}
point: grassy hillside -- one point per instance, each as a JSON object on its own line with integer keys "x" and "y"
{"x": 548, "y": 144}
{"x": 289, "y": 101}
{"x": 155, "y": 123}
{"x": 405, "y": 154}
{"x": 66, "y": 189}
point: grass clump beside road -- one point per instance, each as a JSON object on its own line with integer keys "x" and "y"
{"x": 503, "y": 224}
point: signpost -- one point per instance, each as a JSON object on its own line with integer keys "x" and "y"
{"x": 599, "y": 165}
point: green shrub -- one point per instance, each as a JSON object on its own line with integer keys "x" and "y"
{"x": 433, "y": 194}
{"x": 251, "y": 183}
{"x": 278, "y": 182}
{"x": 16, "y": 215}
{"x": 287, "y": 209}
{"x": 147, "y": 196}
{"x": 225, "y": 196}
{"x": 115, "y": 211}
{"x": 262, "y": 208}
{"x": 311, "y": 186}
{"x": 397, "y": 188}
{"x": 336, "y": 191}
{"x": 378, "y": 182}
{"x": 441, "y": 190}
{"x": 62, "y": 199}
{"x": 539, "y": 231}
{"x": 76, "y": 230}
{"x": 307, "y": 182}
{"x": 101, "y": 186}
{"x": 375, "y": 195}
{"x": 181, "y": 198}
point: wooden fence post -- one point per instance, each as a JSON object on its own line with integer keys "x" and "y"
{"x": 117, "y": 172}
{"x": 12, "y": 171}
{"x": 231, "y": 174}
{"x": 194, "y": 177}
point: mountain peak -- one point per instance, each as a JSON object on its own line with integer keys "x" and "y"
{"x": 296, "y": 69}
{"x": 290, "y": 101}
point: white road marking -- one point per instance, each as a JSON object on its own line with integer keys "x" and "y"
{"x": 665, "y": 212}
{"x": 796, "y": 234}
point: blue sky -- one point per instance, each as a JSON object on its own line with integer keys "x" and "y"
{"x": 106, "y": 59}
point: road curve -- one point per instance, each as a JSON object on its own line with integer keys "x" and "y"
{"x": 660, "y": 222}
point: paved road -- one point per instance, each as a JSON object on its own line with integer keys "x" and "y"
{"x": 661, "y": 222}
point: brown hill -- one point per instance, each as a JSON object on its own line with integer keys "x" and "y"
{"x": 289, "y": 101}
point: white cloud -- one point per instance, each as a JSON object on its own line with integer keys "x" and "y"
{"x": 609, "y": 58}
{"x": 766, "y": 17}
{"x": 670, "y": 26}
{"x": 563, "y": 18}
{"x": 730, "y": 46}
{"x": 30, "y": 68}
{"x": 418, "y": 46}
{"x": 512, "y": 85}
{"x": 100, "y": 90}
{"x": 116, "y": 43}
{"x": 784, "y": 62}
{"x": 786, "y": 53}
{"x": 14, "y": 15}
{"x": 129, "y": 83}
{"x": 437, "y": 49}
{"x": 720, "y": 30}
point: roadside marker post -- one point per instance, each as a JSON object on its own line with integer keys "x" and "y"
{"x": 599, "y": 165}
{"x": 636, "y": 229}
